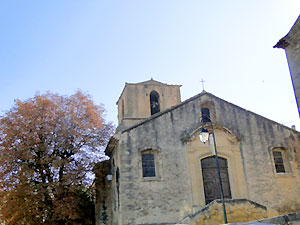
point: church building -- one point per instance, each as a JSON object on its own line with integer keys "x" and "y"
{"x": 161, "y": 173}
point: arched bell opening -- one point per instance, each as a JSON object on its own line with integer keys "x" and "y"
{"x": 154, "y": 102}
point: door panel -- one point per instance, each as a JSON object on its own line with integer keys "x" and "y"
{"x": 211, "y": 180}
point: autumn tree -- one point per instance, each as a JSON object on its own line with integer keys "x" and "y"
{"x": 48, "y": 147}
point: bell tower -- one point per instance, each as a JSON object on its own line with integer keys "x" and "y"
{"x": 139, "y": 101}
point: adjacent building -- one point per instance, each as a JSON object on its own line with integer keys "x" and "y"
{"x": 291, "y": 44}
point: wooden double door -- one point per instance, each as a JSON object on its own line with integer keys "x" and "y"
{"x": 211, "y": 179}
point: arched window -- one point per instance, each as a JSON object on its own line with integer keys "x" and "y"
{"x": 154, "y": 102}
{"x": 205, "y": 115}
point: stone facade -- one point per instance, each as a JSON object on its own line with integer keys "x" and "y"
{"x": 134, "y": 105}
{"x": 244, "y": 140}
{"x": 291, "y": 44}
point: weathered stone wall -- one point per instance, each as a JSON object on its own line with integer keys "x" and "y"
{"x": 237, "y": 210}
{"x": 103, "y": 194}
{"x": 257, "y": 137}
{"x": 154, "y": 200}
{"x": 134, "y": 101}
{"x": 293, "y": 55}
{"x": 169, "y": 197}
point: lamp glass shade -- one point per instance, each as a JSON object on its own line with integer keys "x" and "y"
{"x": 109, "y": 177}
{"x": 204, "y": 135}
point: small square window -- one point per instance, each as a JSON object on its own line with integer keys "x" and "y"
{"x": 148, "y": 165}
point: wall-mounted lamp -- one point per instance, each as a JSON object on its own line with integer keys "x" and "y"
{"x": 109, "y": 176}
{"x": 204, "y": 135}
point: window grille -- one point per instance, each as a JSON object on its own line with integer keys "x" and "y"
{"x": 148, "y": 165}
{"x": 279, "y": 166}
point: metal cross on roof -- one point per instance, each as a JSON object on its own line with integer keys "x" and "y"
{"x": 202, "y": 81}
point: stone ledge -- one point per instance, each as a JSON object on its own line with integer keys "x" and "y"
{"x": 291, "y": 218}
{"x": 238, "y": 210}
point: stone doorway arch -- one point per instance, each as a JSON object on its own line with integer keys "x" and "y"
{"x": 211, "y": 181}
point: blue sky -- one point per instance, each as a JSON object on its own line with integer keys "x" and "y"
{"x": 98, "y": 45}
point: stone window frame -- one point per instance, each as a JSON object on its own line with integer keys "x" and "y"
{"x": 221, "y": 159}
{"x": 205, "y": 114}
{"x": 233, "y": 182}
{"x": 157, "y": 162}
{"x": 148, "y": 164}
{"x": 157, "y": 94}
{"x": 211, "y": 106}
{"x": 286, "y": 161}
{"x": 278, "y": 161}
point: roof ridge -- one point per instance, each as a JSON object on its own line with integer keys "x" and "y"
{"x": 191, "y": 99}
